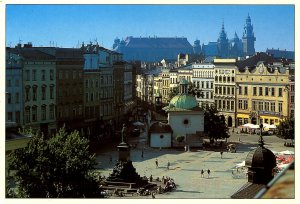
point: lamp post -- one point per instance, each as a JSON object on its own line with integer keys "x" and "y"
{"x": 261, "y": 141}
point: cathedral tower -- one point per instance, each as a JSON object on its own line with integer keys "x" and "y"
{"x": 248, "y": 38}
{"x": 223, "y": 44}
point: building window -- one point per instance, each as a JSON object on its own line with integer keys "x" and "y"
{"x": 207, "y": 84}
{"x": 228, "y": 79}
{"x": 240, "y": 104}
{"x": 232, "y": 79}
{"x": 27, "y": 75}
{"x": 44, "y": 92}
{"x": 9, "y": 100}
{"x": 51, "y": 92}
{"x": 228, "y": 105}
{"x": 245, "y": 104}
{"x": 267, "y": 106}
{"x": 224, "y": 79}
{"x": 273, "y": 106}
{"x": 43, "y": 109}
{"x": 211, "y": 85}
{"x": 34, "y": 113}
{"x": 27, "y": 93}
{"x": 51, "y": 112}
{"x": 202, "y": 84}
{"x": 34, "y": 93}
{"x": 51, "y": 74}
{"x": 272, "y": 91}
{"x": 224, "y": 104}
{"x": 280, "y": 107}
{"x": 224, "y": 90}
{"x": 18, "y": 116}
{"x": 9, "y": 83}
{"x": 254, "y": 91}
{"x": 260, "y": 91}
{"x": 216, "y": 78}
{"x": 292, "y": 88}
{"x": 260, "y": 105}
{"x": 280, "y": 92}
{"x": 232, "y": 105}
{"x": 87, "y": 83}
{"x": 219, "y": 104}
{"x": 43, "y": 75}
{"x": 292, "y": 99}
{"x": 220, "y": 79}
{"x": 266, "y": 91}
{"x": 17, "y": 98}
{"x": 254, "y": 105}
{"x": 92, "y": 96}
{"x": 34, "y": 75}
{"x": 228, "y": 90}
{"x": 240, "y": 90}
{"x": 245, "y": 90}
{"x": 232, "y": 90}
{"x": 17, "y": 83}
{"x": 9, "y": 116}
{"x": 27, "y": 115}
{"x": 207, "y": 95}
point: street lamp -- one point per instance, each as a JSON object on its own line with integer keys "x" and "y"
{"x": 261, "y": 141}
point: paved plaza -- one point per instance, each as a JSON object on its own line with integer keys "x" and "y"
{"x": 185, "y": 167}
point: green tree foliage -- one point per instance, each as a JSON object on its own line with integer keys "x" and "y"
{"x": 214, "y": 125}
{"x": 180, "y": 138}
{"x": 286, "y": 129}
{"x": 57, "y": 167}
{"x": 173, "y": 92}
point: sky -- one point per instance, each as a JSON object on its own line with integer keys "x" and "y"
{"x": 70, "y": 25}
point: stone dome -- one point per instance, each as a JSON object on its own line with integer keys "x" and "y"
{"x": 183, "y": 101}
{"x": 262, "y": 158}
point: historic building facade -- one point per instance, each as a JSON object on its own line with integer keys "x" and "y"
{"x": 225, "y": 89}
{"x": 152, "y": 49}
{"x": 263, "y": 94}
{"x": 203, "y": 79}
{"x": 39, "y": 88}
{"x": 69, "y": 88}
{"x": 14, "y": 88}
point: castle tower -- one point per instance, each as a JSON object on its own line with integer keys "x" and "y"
{"x": 197, "y": 47}
{"x": 223, "y": 44}
{"x": 248, "y": 38}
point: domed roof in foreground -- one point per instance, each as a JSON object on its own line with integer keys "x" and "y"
{"x": 183, "y": 101}
{"x": 261, "y": 157}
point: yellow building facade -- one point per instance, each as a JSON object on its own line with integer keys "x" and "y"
{"x": 262, "y": 95}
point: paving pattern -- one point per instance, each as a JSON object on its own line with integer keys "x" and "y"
{"x": 185, "y": 167}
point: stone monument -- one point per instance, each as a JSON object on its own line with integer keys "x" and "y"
{"x": 124, "y": 174}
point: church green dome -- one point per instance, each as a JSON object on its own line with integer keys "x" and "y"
{"x": 183, "y": 101}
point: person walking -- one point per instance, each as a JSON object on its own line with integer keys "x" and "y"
{"x": 221, "y": 154}
{"x": 142, "y": 154}
{"x": 156, "y": 162}
{"x": 202, "y": 173}
{"x": 208, "y": 173}
{"x": 168, "y": 165}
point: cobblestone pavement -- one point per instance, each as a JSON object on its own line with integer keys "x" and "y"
{"x": 185, "y": 167}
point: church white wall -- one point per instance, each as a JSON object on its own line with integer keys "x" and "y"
{"x": 195, "y": 122}
{"x": 156, "y": 141}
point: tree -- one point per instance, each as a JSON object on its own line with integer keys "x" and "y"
{"x": 57, "y": 167}
{"x": 286, "y": 129}
{"x": 180, "y": 138}
{"x": 214, "y": 124}
{"x": 173, "y": 92}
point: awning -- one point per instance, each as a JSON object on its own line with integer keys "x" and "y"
{"x": 242, "y": 116}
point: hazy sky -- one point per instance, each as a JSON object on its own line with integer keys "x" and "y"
{"x": 67, "y": 25}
